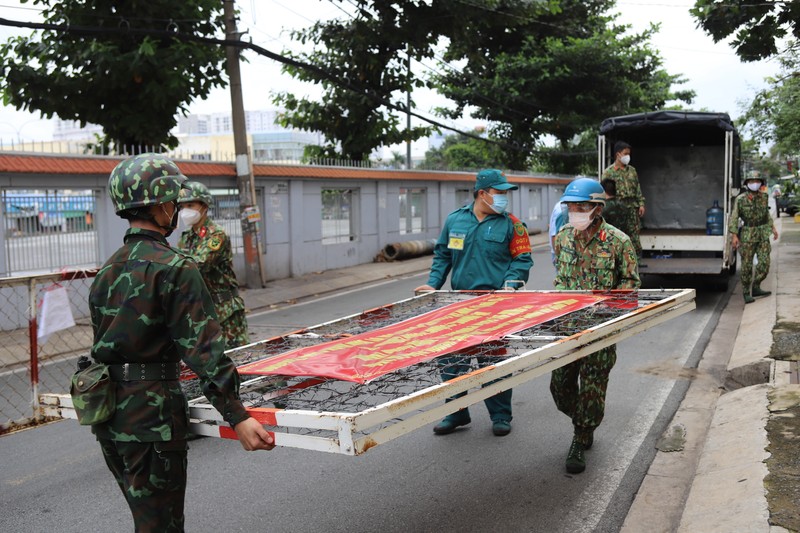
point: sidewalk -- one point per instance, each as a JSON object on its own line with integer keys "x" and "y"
{"x": 734, "y": 466}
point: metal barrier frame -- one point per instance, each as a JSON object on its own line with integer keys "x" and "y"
{"x": 356, "y": 433}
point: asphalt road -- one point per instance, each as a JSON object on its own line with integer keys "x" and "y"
{"x": 53, "y": 478}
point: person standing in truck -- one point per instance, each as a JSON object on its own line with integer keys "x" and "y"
{"x": 752, "y": 237}
{"x": 629, "y": 193}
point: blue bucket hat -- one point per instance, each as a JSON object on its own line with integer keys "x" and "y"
{"x": 492, "y": 178}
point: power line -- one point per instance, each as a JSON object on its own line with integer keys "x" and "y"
{"x": 94, "y": 30}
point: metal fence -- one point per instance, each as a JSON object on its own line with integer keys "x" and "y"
{"x": 46, "y": 230}
{"x": 30, "y": 364}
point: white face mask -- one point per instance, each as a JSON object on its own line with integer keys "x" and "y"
{"x": 190, "y": 217}
{"x": 754, "y": 186}
{"x": 625, "y": 159}
{"x": 581, "y": 221}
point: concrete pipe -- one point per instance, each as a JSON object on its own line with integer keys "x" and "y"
{"x": 408, "y": 249}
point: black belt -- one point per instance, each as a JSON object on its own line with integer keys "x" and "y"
{"x": 145, "y": 371}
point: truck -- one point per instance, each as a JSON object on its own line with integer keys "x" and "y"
{"x": 686, "y": 161}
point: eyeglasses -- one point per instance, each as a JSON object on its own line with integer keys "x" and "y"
{"x": 581, "y": 207}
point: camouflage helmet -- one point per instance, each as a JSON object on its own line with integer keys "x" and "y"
{"x": 143, "y": 180}
{"x": 194, "y": 191}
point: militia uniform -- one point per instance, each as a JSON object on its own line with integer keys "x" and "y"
{"x": 629, "y": 199}
{"x": 757, "y": 225}
{"x": 150, "y": 310}
{"x": 480, "y": 255}
{"x": 210, "y": 247}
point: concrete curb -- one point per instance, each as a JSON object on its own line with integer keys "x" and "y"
{"x": 724, "y": 465}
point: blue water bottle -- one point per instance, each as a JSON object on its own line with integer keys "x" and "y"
{"x": 714, "y": 219}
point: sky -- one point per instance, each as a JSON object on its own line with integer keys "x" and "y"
{"x": 712, "y": 70}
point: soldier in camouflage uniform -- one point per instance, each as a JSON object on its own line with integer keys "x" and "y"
{"x": 149, "y": 310}
{"x": 629, "y": 194}
{"x": 590, "y": 255}
{"x": 752, "y": 238}
{"x": 614, "y": 211}
{"x": 210, "y": 247}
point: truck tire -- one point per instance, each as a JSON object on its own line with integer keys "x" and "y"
{"x": 734, "y": 263}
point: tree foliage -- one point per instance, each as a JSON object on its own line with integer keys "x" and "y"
{"x": 459, "y": 152}
{"x": 130, "y": 84}
{"x": 757, "y": 27}
{"x": 555, "y": 69}
{"x": 774, "y": 113}
{"x": 531, "y": 69}
{"x": 368, "y": 55}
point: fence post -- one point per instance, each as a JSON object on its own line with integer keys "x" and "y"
{"x": 34, "y": 349}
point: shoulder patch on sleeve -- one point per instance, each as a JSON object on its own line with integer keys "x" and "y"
{"x": 214, "y": 243}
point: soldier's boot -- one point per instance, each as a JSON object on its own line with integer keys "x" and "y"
{"x": 576, "y": 462}
{"x": 758, "y": 291}
{"x": 748, "y": 299}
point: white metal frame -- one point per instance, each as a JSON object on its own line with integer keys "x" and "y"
{"x": 356, "y": 433}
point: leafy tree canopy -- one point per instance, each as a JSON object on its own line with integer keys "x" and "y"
{"x": 459, "y": 152}
{"x": 774, "y": 114}
{"x": 130, "y": 84}
{"x": 556, "y": 69}
{"x": 756, "y": 27}
{"x": 368, "y": 56}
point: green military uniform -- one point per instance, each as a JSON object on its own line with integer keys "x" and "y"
{"x": 149, "y": 305}
{"x": 150, "y": 310}
{"x": 480, "y": 255}
{"x": 615, "y": 213}
{"x": 629, "y": 199}
{"x": 607, "y": 261}
{"x": 757, "y": 226}
{"x": 210, "y": 247}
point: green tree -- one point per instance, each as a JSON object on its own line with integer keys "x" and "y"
{"x": 757, "y": 27}
{"x": 555, "y": 69}
{"x": 459, "y": 152}
{"x": 774, "y": 113}
{"x": 361, "y": 62}
{"x": 129, "y": 83}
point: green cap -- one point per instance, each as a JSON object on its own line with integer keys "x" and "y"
{"x": 492, "y": 178}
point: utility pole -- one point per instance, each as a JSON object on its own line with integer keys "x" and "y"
{"x": 248, "y": 210}
{"x": 408, "y": 108}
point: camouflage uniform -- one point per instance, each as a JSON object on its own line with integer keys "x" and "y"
{"x": 753, "y": 209}
{"x": 615, "y": 213}
{"x": 607, "y": 261}
{"x": 150, "y": 310}
{"x": 629, "y": 199}
{"x": 211, "y": 249}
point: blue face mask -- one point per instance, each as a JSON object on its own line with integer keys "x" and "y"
{"x": 499, "y": 203}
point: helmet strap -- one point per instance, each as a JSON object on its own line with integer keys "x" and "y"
{"x": 173, "y": 223}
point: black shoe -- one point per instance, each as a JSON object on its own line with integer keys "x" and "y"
{"x": 748, "y": 299}
{"x": 448, "y": 425}
{"x": 501, "y": 428}
{"x": 576, "y": 462}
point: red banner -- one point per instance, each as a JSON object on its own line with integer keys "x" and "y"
{"x": 458, "y": 326}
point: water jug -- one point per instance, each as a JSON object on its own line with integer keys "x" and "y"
{"x": 714, "y": 219}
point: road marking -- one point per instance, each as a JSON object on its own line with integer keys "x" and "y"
{"x": 336, "y": 294}
{"x": 593, "y": 502}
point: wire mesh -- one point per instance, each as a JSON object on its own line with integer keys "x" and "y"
{"x": 318, "y": 394}
{"x": 29, "y": 363}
